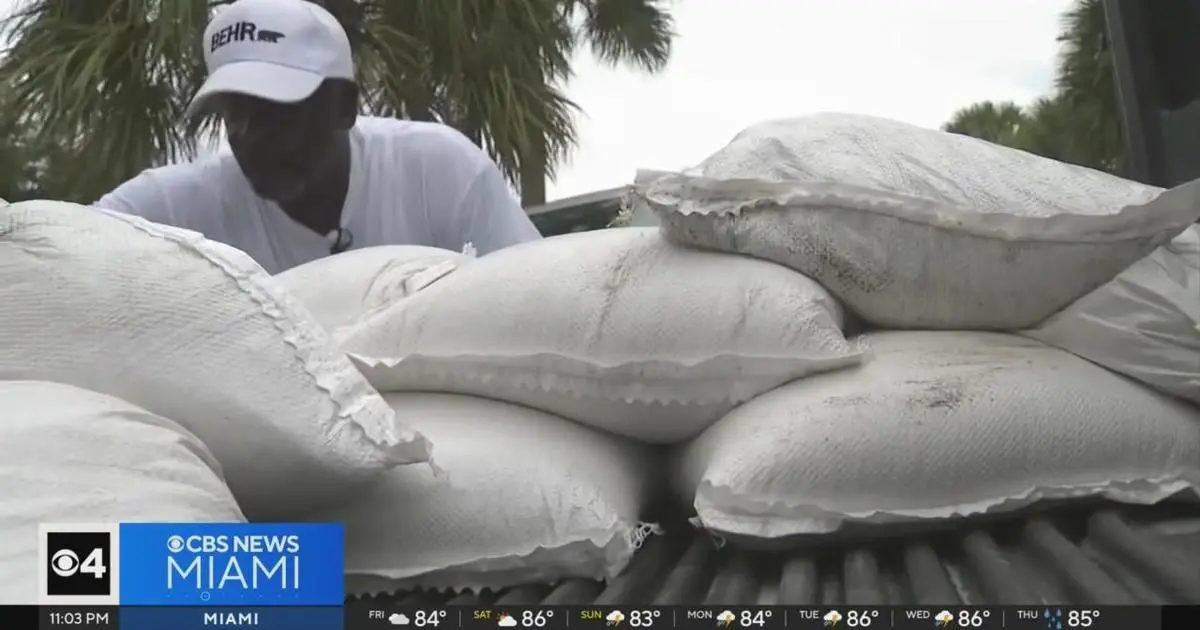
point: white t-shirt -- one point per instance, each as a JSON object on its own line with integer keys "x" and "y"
{"x": 411, "y": 183}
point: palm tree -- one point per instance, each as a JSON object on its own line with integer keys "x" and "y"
{"x": 994, "y": 122}
{"x": 108, "y": 80}
{"x": 637, "y": 33}
{"x": 105, "y": 81}
{"x": 1087, "y": 83}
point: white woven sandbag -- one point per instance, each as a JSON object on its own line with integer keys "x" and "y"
{"x": 527, "y": 498}
{"x": 916, "y": 228}
{"x": 197, "y": 333}
{"x": 339, "y": 289}
{"x": 614, "y": 328}
{"x": 934, "y": 425}
{"x": 1145, "y": 323}
{"x": 68, "y": 455}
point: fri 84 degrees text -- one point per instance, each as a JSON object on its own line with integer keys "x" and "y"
{"x": 433, "y": 618}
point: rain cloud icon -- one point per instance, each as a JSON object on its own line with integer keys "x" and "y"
{"x": 944, "y": 618}
{"x": 615, "y": 618}
{"x": 832, "y": 618}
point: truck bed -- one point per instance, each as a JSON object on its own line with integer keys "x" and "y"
{"x": 1097, "y": 554}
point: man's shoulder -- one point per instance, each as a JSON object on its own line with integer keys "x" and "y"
{"x": 176, "y": 193}
{"x": 425, "y": 141}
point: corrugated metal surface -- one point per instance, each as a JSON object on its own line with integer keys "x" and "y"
{"x": 1104, "y": 555}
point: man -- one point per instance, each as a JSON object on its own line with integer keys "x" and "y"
{"x": 307, "y": 176}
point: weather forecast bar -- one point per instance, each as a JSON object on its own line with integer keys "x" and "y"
{"x": 374, "y": 616}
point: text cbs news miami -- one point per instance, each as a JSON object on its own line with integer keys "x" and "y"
{"x": 154, "y": 576}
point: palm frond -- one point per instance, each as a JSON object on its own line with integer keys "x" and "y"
{"x": 627, "y": 31}
{"x": 105, "y": 81}
{"x": 487, "y": 68}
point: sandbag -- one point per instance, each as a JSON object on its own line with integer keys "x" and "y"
{"x": 527, "y": 498}
{"x": 68, "y": 455}
{"x": 340, "y": 289}
{"x": 1145, "y": 323}
{"x": 199, "y": 334}
{"x": 916, "y": 228}
{"x": 614, "y": 328}
{"x": 936, "y": 425}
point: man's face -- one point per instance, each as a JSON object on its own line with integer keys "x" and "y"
{"x": 280, "y": 147}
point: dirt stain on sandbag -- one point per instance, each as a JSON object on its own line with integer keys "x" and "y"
{"x": 946, "y": 397}
{"x": 845, "y": 271}
{"x": 616, "y": 275}
{"x": 936, "y": 393}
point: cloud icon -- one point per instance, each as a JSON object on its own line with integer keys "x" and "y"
{"x": 944, "y": 617}
{"x": 725, "y": 618}
{"x": 506, "y": 621}
{"x": 615, "y": 618}
{"x": 397, "y": 619}
{"x": 832, "y": 618}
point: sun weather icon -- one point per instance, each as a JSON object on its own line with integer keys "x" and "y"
{"x": 1053, "y": 618}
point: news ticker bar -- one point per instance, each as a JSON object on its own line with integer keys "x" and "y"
{"x": 371, "y": 616}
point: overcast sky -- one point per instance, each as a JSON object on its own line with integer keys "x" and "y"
{"x": 737, "y": 62}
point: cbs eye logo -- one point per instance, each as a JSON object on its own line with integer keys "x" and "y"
{"x": 78, "y": 563}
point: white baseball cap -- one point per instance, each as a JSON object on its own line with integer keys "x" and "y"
{"x": 278, "y": 50}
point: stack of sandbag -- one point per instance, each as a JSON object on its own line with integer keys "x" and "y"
{"x": 196, "y": 333}
{"x": 72, "y": 455}
{"x": 935, "y": 240}
{"x": 542, "y": 372}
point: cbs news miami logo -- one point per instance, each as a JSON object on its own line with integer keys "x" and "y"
{"x": 78, "y": 564}
{"x": 197, "y": 564}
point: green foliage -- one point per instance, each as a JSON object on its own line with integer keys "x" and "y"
{"x": 1080, "y": 122}
{"x": 1001, "y": 123}
{"x": 23, "y": 164}
{"x": 106, "y": 82}
{"x": 1086, "y": 83}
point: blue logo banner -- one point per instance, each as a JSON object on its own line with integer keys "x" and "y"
{"x": 232, "y": 564}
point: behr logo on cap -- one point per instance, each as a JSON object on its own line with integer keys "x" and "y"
{"x": 243, "y": 32}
